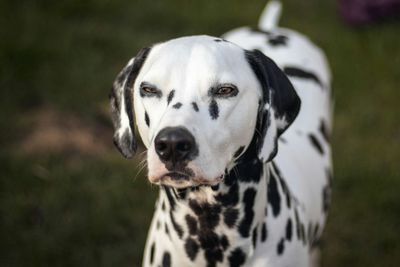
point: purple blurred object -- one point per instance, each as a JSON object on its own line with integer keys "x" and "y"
{"x": 363, "y": 11}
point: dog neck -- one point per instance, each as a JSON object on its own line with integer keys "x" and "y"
{"x": 227, "y": 217}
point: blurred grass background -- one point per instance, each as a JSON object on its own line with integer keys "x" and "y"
{"x": 67, "y": 198}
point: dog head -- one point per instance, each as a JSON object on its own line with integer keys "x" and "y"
{"x": 198, "y": 103}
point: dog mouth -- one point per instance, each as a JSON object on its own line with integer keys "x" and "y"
{"x": 176, "y": 176}
{"x": 182, "y": 180}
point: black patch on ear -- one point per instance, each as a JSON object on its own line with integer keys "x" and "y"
{"x": 302, "y": 74}
{"x": 317, "y": 145}
{"x": 178, "y": 105}
{"x": 237, "y": 258}
{"x": 170, "y": 96}
{"x": 127, "y": 144}
{"x": 276, "y": 85}
{"x": 147, "y": 119}
{"x": 238, "y": 152}
{"x": 152, "y": 248}
{"x": 128, "y": 92}
{"x": 195, "y": 107}
{"x": 166, "y": 260}
{"x": 324, "y": 131}
{"x": 213, "y": 109}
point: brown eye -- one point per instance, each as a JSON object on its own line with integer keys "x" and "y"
{"x": 226, "y": 91}
{"x": 149, "y": 90}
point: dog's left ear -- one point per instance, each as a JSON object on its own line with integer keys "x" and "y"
{"x": 121, "y": 101}
{"x": 279, "y": 106}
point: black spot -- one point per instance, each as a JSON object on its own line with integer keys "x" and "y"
{"x": 230, "y": 217}
{"x": 326, "y": 198}
{"x": 260, "y": 31}
{"x": 324, "y": 131}
{"x": 281, "y": 246}
{"x": 176, "y": 226}
{"x": 264, "y": 232}
{"x": 238, "y": 152}
{"x": 170, "y": 198}
{"x": 217, "y": 40}
{"x": 170, "y": 96}
{"x": 128, "y": 93}
{"x": 314, "y": 141}
{"x": 191, "y": 248}
{"x": 181, "y": 193}
{"x": 289, "y": 229}
{"x": 327, "y": 192}
{"x": 231, "y": 198}
{"x": 283, "y": 140}
{"x": 212, "y": 256}
{"x": 237, "y": 258}
{"x": 192, "y": 224}
{"x": 303, "y": 233}
{"x": 166, "y": 260}
{"x": 158, "y": 224}
{"x": 303, "y": 74}
{"x": 278, "y": 40}
{"x": 163, "y": 205}
{"x": 178, "y": 105}
{"x": 152, "y": 248}
{"x": 147, "y": 119}
{"x": 273, "y": 196}
{"x": 224, "y": 242}
{"x": 208, "y": 214}
{"x": 195, "y": 107}
{"x": 213, "y": 109}
{"x": 309, "y": 233}
{"x": 166, "y": 229}
{"x": 297, "y": 221}
{"x": 254, "y": 237}
{"x": 248, "y": 201}
{"x": 283, "y": 184}
{"x": 315, "y": 235}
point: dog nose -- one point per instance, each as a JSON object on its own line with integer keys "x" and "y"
{"x": 174, "y": 145}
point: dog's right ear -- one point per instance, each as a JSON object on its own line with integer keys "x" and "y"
{"x": 121, "y": 101}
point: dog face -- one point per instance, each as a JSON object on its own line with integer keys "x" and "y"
{"x": 198, "y": 103}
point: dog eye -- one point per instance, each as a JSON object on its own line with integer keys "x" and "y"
{"x": 225, "y": 90}
{"x": 148, "y": 90}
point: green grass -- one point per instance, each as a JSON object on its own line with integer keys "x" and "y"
{"x": 71, "y": 209}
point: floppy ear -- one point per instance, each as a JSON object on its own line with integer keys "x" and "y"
{"x": 121, "y": 101}
{"x": 279, "y": 106}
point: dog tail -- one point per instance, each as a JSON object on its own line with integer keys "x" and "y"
{"x": 270, "y": 16}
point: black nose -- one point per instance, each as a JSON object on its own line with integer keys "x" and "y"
{"x": 174, "y": 145}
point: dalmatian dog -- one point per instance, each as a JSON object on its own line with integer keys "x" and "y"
{"x": 237, "y": 135}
